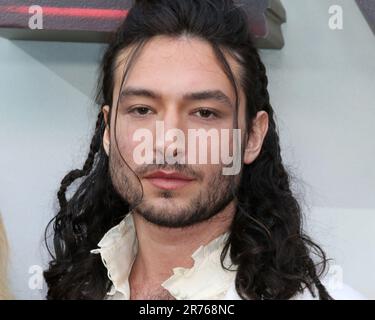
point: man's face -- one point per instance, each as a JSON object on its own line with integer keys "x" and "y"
{"x": 172, "y": 68}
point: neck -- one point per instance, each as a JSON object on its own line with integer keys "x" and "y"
{"x": 160, "y": 249}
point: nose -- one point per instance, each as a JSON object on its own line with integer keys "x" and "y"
{"x": 170, "y": 136}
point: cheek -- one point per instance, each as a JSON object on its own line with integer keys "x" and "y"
{"x": 212, "y": 173}
{"x": 125, "y": 142}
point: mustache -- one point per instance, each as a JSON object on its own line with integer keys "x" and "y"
{"x": 178, "y": 167}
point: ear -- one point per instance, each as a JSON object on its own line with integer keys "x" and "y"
{"x": 256, "y": 137}
{"x": 106, "y": 135}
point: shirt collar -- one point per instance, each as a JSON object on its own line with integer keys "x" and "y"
{"x": 207, "y": 279}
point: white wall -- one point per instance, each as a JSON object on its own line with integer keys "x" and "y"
{"x": 46, "y": 119}
{"x": 322, "y": 89}
{"x": 322, "y": 86}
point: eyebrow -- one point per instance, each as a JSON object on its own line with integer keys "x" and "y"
{"x": 216, "y": 95}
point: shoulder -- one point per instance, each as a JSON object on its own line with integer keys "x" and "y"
{"x": 333, "y": 281}
{"x": 336, "y": 289}
{"x": 344, "y": 292}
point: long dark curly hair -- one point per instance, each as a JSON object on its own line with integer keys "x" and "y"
{"x": 275, "y": 259}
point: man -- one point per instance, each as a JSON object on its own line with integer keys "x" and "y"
{"x": 167, "y": 227}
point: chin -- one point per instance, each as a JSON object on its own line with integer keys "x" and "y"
{"x": 162, "y": 205}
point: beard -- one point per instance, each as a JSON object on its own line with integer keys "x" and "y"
{"x": 220, "y": 191}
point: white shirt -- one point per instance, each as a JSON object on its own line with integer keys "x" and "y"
{"x": 206, "y": 280}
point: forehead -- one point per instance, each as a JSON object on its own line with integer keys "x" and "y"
{"x": 172, "y": 66}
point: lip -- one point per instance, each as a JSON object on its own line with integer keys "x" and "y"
{"x": 168, "y": 180}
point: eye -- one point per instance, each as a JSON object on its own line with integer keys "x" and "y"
{"x": 140, "y": 111}
{"x": 206, "y": 113}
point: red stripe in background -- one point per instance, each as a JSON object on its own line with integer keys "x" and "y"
{"x": 70, "y": 12}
